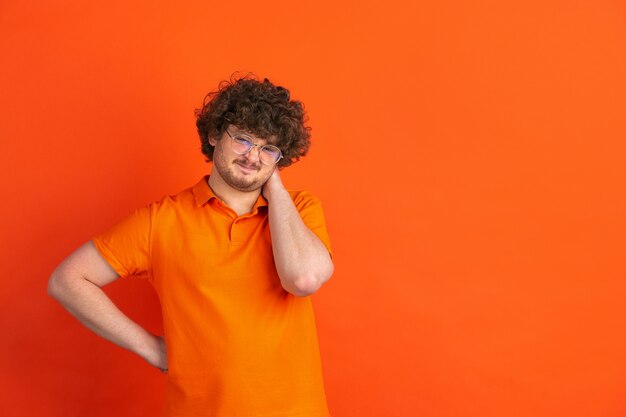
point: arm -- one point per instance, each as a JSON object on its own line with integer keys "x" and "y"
{"x": 76, "y": 285}
{"x": 302, "y": 261}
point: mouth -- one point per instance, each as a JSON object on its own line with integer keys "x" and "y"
{"x": 249, "y": 169}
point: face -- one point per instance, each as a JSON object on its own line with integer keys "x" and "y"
{"x": 241, "y": 172}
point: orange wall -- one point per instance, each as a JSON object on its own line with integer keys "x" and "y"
{"x": 470, "y": 156}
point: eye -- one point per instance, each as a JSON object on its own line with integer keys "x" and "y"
{"x": 272, "y": 151}
{"x": 243, "y": 141}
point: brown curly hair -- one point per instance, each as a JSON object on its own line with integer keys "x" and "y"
{"x": 260, "y": 108}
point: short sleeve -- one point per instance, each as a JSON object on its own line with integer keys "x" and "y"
{"x": 310, "y": 209}
{"x": 126, "y": 245}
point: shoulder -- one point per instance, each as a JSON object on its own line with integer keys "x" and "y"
{"x": 184, "y": 197}
{"x": 183, "y": 200}
{"x": 303, "y": 199}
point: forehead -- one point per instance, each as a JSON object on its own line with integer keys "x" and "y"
{"x": 249, "y": 135}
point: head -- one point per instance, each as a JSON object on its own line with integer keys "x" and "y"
{"x": 259, "y": 108}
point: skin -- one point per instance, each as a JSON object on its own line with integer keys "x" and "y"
{"x": 302, "y": 261}
{"x": 76, "y": 283}
{"x": 238, "y": 179}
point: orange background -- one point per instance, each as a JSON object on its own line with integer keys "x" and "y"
{"x": 470, "y": 157}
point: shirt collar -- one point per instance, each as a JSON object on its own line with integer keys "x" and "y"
{"x": 203, "y": 193}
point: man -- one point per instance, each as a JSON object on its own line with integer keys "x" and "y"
{"x": 232, "y": 259}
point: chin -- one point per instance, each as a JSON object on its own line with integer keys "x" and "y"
{"x": 245, "y": 186}
{"x": 250, "y": 188}
{"x": 242, "y": 182}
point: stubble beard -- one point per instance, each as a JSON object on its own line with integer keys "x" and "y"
{"x": 239, "y": 181}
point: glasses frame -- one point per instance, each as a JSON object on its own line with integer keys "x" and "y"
{"x": 254, "y": 145}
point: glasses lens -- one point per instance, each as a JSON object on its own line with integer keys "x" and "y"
{"x": 270, "y": 154}
{"x": 241, "y": 145}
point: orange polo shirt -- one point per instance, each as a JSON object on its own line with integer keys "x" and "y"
{"x": 238, "y": 344}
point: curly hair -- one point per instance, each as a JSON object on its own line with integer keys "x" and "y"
{"x": 260, "y": 108}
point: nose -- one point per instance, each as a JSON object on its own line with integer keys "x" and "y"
{"x": 253, "y": 155}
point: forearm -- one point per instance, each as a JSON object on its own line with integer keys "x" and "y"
{"x": 302, "y": 261}
{"x": 91, "y": 306}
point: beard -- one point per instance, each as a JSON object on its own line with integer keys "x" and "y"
{"x": 238, "y": 180}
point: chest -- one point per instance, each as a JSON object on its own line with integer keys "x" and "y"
{"x": 213, "y": 252}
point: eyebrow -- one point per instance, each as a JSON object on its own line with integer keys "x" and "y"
{"x": 249, "y": 135}
{"x": 244, "y": 133}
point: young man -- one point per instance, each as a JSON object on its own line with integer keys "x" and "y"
{"x": 232, "y": 259}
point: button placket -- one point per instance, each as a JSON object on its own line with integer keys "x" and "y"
{"x": 236, "y": 237}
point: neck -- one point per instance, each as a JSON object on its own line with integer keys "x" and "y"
{"x": 240, "y": 201}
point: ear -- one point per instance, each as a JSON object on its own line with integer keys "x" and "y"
{"x": 212, "y": 141}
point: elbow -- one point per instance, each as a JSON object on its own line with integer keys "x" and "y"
{"x": 55, "y": 286}
{"x": 306, "y": 285}
{"x": 59, "y": 285}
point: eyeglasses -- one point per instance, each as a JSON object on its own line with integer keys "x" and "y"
{"x": 268, "y": 154}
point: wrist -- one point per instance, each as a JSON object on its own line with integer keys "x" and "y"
{"x": 273, "y": 186}
{"x": 144, "y": 344}
{"x": 275, "y": 192}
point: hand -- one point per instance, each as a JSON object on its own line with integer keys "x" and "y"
{"x": 272, "y": 184}
{"x": 156, "y": 355}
